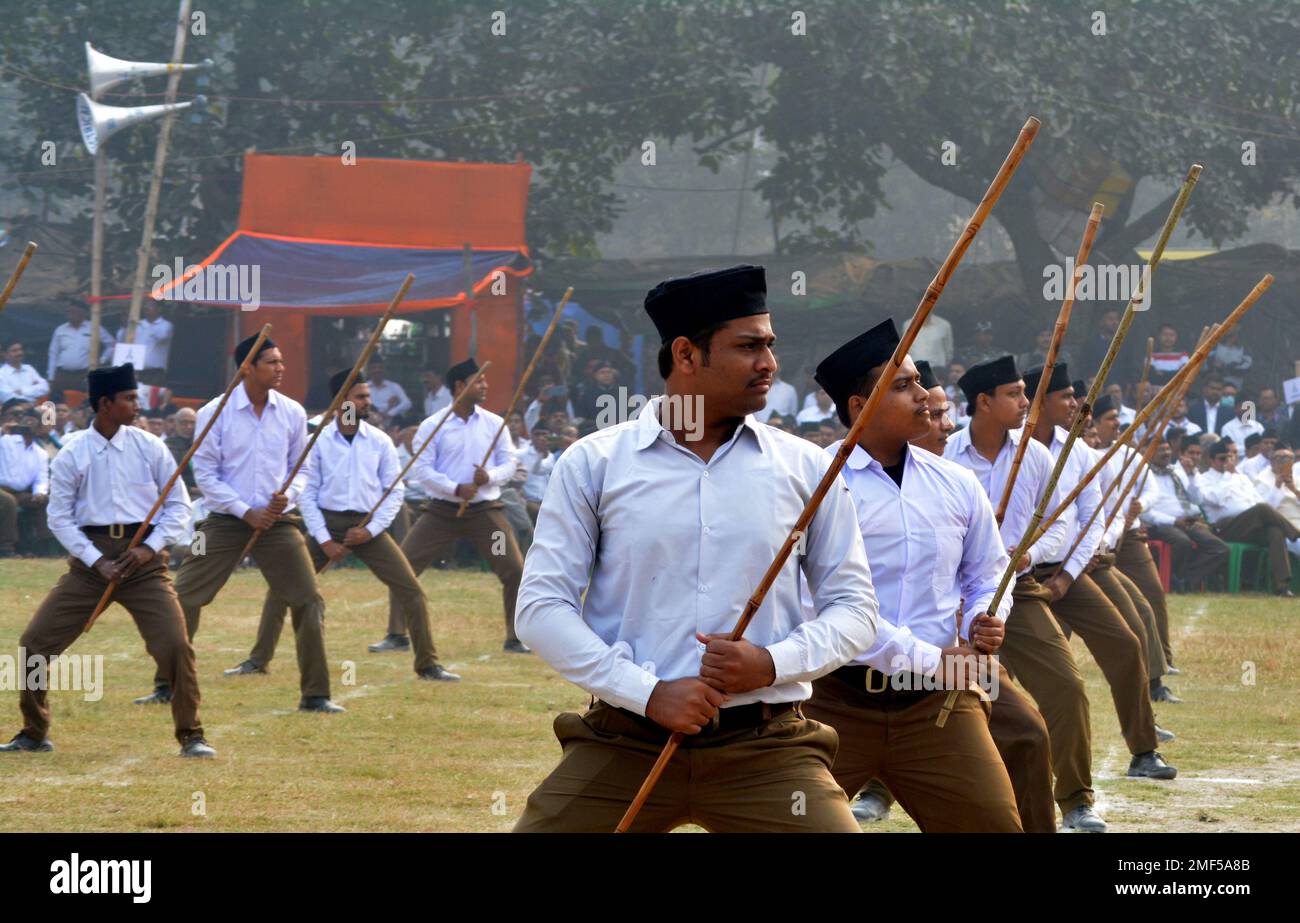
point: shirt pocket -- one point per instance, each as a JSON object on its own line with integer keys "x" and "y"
{"x": 947, "y": 544}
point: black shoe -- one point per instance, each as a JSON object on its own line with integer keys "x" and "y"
{"x": 198, "y": 748}
{"x": 1286, "y": 593}
{"x": 23, "y": 743}
{"x": 319, "y": 703}
{"x": 1163, "y": 693}
{"x": 515, "y": 646}
{"x": 1165, "y": 736}
{"x": 160, "y": 696}
{"x": 1082, "y": 819}
{"x": 244, "y": 669}
{"x": 437, "y": 673}
{"x": 391, "y": 643}
{"x": 1150, "y": 765}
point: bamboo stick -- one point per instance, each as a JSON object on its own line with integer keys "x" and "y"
{"x": 17, "y": 274}
{"x": 932, "y": 293}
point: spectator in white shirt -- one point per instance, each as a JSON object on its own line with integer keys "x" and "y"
{"x": 24, "y": 485}
{"x": 1259, "y": 449}
{"x": 436, "y": 395}
{"x": 537, "y": 460}
{"x": 1277, "y": 486}
{"x": 1238, "y": 429}
{"x": 782, "y": 400}
{"x": 1240, "y": 514}
{"x": 17, "y": 379}
{"x": 70, "y": 350}
{"x": 822, "y": 409}
{"x": 933, "y": 342}
{"x": 388, "y": 397}
{"x": 1116, "y": 393}
{"x": 155, "y": 333}
{"x": 1179, "y": 419}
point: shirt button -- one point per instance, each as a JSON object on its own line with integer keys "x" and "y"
{"x": 706, "y": 472}
{"x": 707, "y": 530}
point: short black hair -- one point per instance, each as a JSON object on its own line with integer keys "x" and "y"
{"x": 701, "y": 340}
{"x": 1221, "y": 448}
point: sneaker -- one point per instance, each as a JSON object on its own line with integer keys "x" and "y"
{"x": 320, "y": 703}
{"x": 515, "y": 646}
{"x": 1150, "y": 765}
{"x": 1163, "y": 693}
{"x": 198, "y": 748}
{"x": 870, "y": 808}
{"x": 1165, "y": 736}
{"x": 1082, "y": 819}
{"x": 437, "y": 673}
{"x": 244, "y": 669}
{"x": 160, "y": 696}
{"x": 1171, "y": 670}
{"x": 23, "y": 743}
{"x": 390, "y": 643}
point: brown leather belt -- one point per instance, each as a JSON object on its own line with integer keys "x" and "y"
{"x": 116, "y": 530}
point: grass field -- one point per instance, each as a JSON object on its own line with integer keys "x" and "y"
{"x": 415, "y": 756}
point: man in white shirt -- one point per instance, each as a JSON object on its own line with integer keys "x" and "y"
{"x": 1117, "y": 645}
{"x": 349, "y": 468}
{"x": 155, "y": 333}
{"x": 1259, "y": 449}
{"x": 1035, "y": 648}
{"x": 241, "y": 467}
{"x": 933, "y": 342}
{"x": 932, "y": 541}
{"x": 537, "y": 461}
{"x": 1179, "y": 420}
{"x": 17, "y": 379}
{"x": 388, "y": 397}
{"x": 24, "y": 485}
{"x": 1277, "y": 487}
{"x": 1173, "y": 517}
{"x": 823, "y": 408}
{"x": 70, "y": 349}
{"x": 1239, "y": 514}
{"x": 1238, "y": 428}
{"x": 647, "y": 547}
{"x": 436, "y": 395}
{"x": 102, "y": 486}
{"x": 782, "y": 400}
{"x": 451, "y": 470}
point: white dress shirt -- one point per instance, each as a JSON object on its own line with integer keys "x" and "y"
{"x": 23, "y": 466}
{"x": 1252, "y": 467}
{"x": 932, "y": 543}
{"x": 23, "y": 382}
{"x": 245, "y": 458}
{"x": 1035, "y": 471}
{"x": 70, "y": 348}
{"x": 345, "y": 476}
{"x": 1186, "y": 425}
{"x": 1080, "y": 511}
{"x": 459, "y": 446}
{"x": 537, "y": 469}
{"x": 1224, "y": 494}
{"x": 413, "y": 491}
{"x": 1163, "y": 507}
{"x": 815, "y": 414}
{"x": 156, "y": 336}
{"x": 435, "y": 401}
{"x": 781, "y": 399}
{"x": 1211, "y": 415}
{"x": 1282, "y": 499}
{"x": 389, "y": 398}
{"x": 1237, "y": 430}
{"x": 640, "y": 544}
{"x": 933, "y": 342}
{"x": 100, "y": 482}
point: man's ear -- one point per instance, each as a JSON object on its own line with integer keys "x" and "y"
{"x": 683, "y": 350}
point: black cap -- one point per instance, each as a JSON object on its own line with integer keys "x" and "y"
{"x": 461, "y": 371}
{"x": 1059, "y": 381}
{"x": 108, "y": 381}
{"x": 338, "y": 378}
{"x": 1222, "y": 447}
{"x": 1254, "y": 439}
{"x": 683, "y": 306}
{"x": 848, "y": 365}
{"x": 12, "y": 402}
{"x": 928, "y": 380}
{"x": 1080, "y": 388}
{"x": 984, "y": 377}
{"x": 241, "y": 351}
{"x": 1104, "y": 404}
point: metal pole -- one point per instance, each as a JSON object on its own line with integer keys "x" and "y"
{"x": 97, "y": 256}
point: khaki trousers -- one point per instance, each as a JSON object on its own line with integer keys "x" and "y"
{"x": 775, "y": 777}
{"x": 1037, "y": 654}
{"x": 384, "y": 558}
{"x": 148, "y": 596}
{"x": 1128, "y": 600}
{"x": 1133, "y": 559}
{"x": 281, "y": 556}
{"x": 1119, "y": 653}
{"x": 31, "y": 529}
{"x": 948, "y": 779}
{"x": 437, "y": 529}
{"x": 1263, "y": 525}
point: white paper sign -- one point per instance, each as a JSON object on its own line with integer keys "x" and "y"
{"x": 129, "y": 352}
{"x": 1291, "y": 390}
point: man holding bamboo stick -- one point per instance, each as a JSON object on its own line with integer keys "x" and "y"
{"x": 653, "y": 534}
{"x": 449, "y": 471}
{"x": 1078, "y": 602}
{"x": 102, "y": 486}
{"x": 1035, "y": 649}
{"x": 932, "y": 541}
{"x": 240, "y": 468}
{"x": 348, "y": 469}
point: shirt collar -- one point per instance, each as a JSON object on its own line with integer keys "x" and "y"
{"x": 99, "y": 443}
{"x": 649, "y": 428}
{"x": 860, "y": 458}
{"x": 242, "y": 400}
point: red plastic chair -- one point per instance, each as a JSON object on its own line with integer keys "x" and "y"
{"x": 1164, "y": 554}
